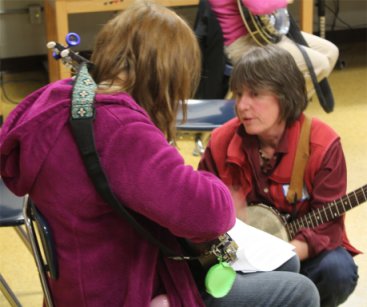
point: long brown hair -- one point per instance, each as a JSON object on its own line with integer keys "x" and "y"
{"x": 274, "y": 69}
{"x": 151, "y": 53}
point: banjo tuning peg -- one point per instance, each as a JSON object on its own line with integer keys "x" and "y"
{"x": 70, "y": 58}
{"x": 72, "y": 39}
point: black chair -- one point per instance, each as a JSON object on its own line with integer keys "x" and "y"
{"x": 204, "y": 115}
{"x": 11, "y": 215}
{"x": 42, "y": 246}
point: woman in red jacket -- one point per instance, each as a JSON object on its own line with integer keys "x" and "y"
{"x": 254, "y": 155}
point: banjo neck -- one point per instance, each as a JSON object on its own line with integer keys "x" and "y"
{"x": 328, "y": 212}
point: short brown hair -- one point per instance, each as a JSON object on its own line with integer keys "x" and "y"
{"x": 273, "y": 69}
{"x": 154, "y": 55}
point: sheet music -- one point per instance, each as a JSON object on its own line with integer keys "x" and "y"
{"x": 258, "y": 250}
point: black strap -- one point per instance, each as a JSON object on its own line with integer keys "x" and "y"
{"x": 81, "y": 121}
{"x": 322, "y": 88}
{"x": 214, "y": 80}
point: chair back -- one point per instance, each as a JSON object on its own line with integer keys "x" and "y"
{"x": 203, "y": 115}
{"x": 11, "y": 207}
{"x": 43, "y": 249}
{"x": 206, "y": 114}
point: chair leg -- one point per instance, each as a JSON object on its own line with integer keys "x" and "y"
{"x": 35, "y": 250}
{"x": 199, "y": 146}
{"x": 229, "y": 95}
{"x": 8, "y": 293}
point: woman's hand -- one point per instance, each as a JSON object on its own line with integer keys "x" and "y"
{"x": 301, "y": 249}
{"x": 239, "y": 203}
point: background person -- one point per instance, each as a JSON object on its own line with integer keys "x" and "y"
{"x": 322, "y": 53}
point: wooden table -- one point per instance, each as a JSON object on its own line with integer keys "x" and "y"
{"x": 57, "y": 25}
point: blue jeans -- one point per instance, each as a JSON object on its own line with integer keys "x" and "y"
{"x": 282, "y": 288}
{"x": 335, "y": 275}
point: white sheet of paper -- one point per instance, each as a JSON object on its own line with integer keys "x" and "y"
{"x": 258, "y": 250}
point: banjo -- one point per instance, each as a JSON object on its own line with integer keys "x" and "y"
{"x": 265, "y": 29}
{"x": 271, "y": 221}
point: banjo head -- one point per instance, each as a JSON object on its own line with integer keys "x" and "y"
{"x": 276, "y": 23}
{"x": 267, "y": 219}
{"x": 265, "y": 29}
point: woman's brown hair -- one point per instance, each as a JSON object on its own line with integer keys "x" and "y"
{"x": 151, "y": 53}
{"x": 273, "y": 69}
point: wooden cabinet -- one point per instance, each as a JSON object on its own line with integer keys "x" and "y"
{"x": 57, "y": 12}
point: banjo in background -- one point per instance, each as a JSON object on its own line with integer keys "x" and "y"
{"x": 271, "y": 221}
{"x": 265, "y": 29}
{"x": 269, "y": 29}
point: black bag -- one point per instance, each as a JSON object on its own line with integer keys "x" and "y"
{"x": 322, "y": 88}
{"x": 214, "y": 81}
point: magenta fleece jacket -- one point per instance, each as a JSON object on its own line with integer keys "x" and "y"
{"x": 102, "y": 260}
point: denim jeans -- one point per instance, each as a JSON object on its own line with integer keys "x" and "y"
{"x": 282, "y": 288}
{"x": 335, "y": 275}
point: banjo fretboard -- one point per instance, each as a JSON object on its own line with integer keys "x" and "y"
{"x": 329, "y": 212}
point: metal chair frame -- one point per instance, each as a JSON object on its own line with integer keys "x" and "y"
{"x": 39, "y": 236}
{"x": 8, "y": 293}
{"x": 11, "y": 215}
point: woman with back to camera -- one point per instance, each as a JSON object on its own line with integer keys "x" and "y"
{"x": 146, "y": 62}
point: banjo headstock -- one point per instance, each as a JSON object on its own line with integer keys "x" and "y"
{"x": 68, "y": 57}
